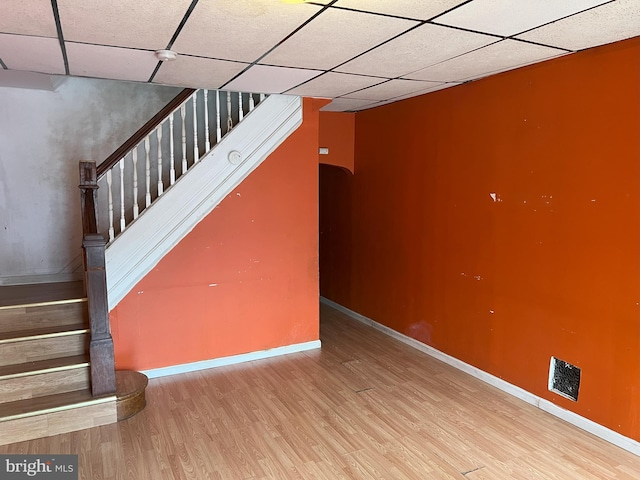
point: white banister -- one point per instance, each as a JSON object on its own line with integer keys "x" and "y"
{"x": 123, "y": 223}
{"x": 110, "y": 202}
{"x": 218, "y": 129}
{"x": 159, "y": 137}
{"x": 172, "y": 166}
{"x": 229, "y": 118}
{"x": 183, "y": 116}
{"x": 207, "y": 143}
{"x": 147, "y": 173}
{"x": 158, "y": 162}
{"x": 196, "y": 155}
{"x": 134, "y": 159}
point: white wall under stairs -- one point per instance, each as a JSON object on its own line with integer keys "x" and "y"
{"x": 170, "y": 218}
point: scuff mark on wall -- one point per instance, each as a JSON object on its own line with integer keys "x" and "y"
{"x": 421, "y": 331}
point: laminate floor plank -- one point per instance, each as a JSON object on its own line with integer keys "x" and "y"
{"x": 365, "y": 406}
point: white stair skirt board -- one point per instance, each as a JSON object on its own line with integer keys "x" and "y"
{"x": 232, "y": 360}
{"x": 194, "y": 195}
{"x": 579, "y": 421}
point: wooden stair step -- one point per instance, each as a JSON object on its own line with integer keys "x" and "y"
{"x": 48, "y": 404}
{"x": 43, "y": 344}
{"x": 40, "y": 293}
{"x": 54, "y": 414}
{"x": 45, "y": 377}
{"x": 43, "y": 332}
{"x": 43, "y": 366}
{"x": 29, "y": 317}
{"x": 130, "y": 392}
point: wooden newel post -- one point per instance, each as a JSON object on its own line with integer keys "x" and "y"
{"x": 103, "y": 377}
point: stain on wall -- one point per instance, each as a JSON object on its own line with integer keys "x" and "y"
{"x": 500, "y": 225}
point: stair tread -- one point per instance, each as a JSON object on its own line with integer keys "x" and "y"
{"x": 54, "y": 331}
{"x": 43, "y": 366}
{"x": 49, "y": 403}
{"x": 40, "y": 293}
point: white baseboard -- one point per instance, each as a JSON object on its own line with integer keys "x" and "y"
{"x": 579, "y": 421}
{"x": 231, "y": 360}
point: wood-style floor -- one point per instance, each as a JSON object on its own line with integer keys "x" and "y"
{"x": 363, "y": 407}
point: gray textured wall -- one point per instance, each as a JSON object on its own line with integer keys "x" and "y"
{"x": 43, "y": 136}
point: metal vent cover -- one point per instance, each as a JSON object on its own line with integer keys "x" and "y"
{"x": 564, "y": 379}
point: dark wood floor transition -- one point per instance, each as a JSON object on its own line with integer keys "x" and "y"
{"x": 364, "y": 406}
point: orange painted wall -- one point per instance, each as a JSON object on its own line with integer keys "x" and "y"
{"x": 337, "y": 133}
{"x": 550, "y": 267}
{"x": 245, "y": 279}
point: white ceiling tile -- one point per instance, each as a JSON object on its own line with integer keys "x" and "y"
{"x": 514, "y": 16}
{"x": 266, "y": 79}
{"x": 609, "y": 23}
{"x": 391, "y": 89}
{"x": 149, "y": 24}
{"x": 28, "y": 17}
{"x": 419, "y": 9}
{"x": 240, "y": 31}
{"x": 34, "y": 54}
{"x": 87, "y": 60}
{"x": 504, "y": 55}
{"x": 417, "y": 49}
{"x": 331, "y": 85}
{"x": 325, "y": 43}
{"x": 345, "y": 104}
{"x": 196, "y": 72}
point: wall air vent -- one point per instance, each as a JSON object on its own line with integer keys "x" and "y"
{"x": 564, "y": 379}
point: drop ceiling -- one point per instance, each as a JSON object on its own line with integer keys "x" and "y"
{"x": 360, "y": 53}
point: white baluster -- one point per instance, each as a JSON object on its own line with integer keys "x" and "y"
{"x": 229, "y": 119}
{"x": 159, "y": 136}
{"x": 207, "y": 143}
{"x": 196, "y": 155}
{"x": 134, "y": 158}
{"x": 110, "y": 195}
{"x": 147, "y": 172}
{"x": 252, "y": 102}
{"x": 262, "y": 96}
{"x": 218, "y": 129}
{"x": 240, "y": 107}
{"x": 172, "y": 168}
{"x": 123, "y": 223}
{"x": 183, "y": 114}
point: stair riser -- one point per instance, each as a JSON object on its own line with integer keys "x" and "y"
{"x": 49, "y": 424}
{"x": 41, "y": 384}
{"x": 29, "y": 318}
{"x": 36, "y": 349}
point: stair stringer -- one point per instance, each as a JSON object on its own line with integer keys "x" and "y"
{"x": 137, "y": 250}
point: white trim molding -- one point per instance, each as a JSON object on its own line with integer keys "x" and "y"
{"x": 579, "y": 421}
{"x": 171, "y": 217}
{"x": 232, "y": 360}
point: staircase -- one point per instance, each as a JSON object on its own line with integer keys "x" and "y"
{"x": 57, "y": 370}
{"x": 44, "y": 366}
